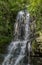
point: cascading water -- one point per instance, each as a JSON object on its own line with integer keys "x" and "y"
{"x": 19, "y": 50}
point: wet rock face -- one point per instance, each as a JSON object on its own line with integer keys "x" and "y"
{"x": 20, "y": 25}
{"x": 22, "y": 28}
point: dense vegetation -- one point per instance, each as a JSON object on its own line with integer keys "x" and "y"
{"x": 8, "y": 12}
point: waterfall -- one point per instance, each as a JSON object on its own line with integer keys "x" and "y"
{"x": 19, "y": 49}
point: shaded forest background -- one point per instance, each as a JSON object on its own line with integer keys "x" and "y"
{"x": 8, "y": 13}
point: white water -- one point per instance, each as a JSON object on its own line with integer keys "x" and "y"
{"x": 17, "y": 49}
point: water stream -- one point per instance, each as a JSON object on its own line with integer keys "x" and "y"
{"x": 19, "y": 49}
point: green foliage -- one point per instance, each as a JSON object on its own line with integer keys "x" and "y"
{"x": 5, "y": 24}
{"x": 8, "y": 13}
{"x": 35, "y": 9}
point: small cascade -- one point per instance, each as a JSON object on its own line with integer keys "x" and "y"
{"x": 19, "y": 49}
